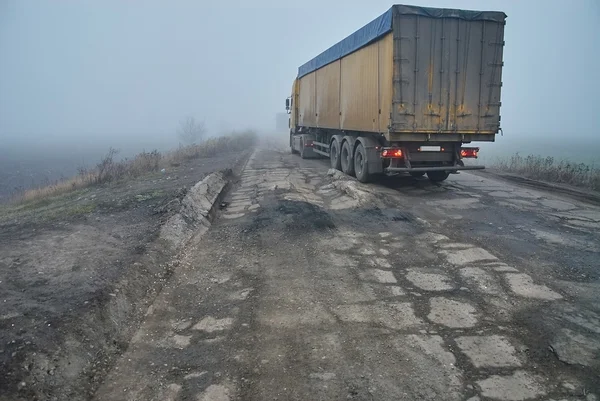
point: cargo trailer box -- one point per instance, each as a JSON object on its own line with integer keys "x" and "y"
{"x": 413, "y": 77}
{"x": 413, "y": 70}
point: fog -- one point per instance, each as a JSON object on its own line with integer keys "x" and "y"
{"x": 79, "y": 76}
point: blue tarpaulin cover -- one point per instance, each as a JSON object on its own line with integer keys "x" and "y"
{"x": 382, "y": 25}
{"x": 365, "y": 35}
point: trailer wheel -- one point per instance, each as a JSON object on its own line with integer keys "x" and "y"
{"x": 417, "y": 174}
{"x": 335, "y": 155}
{"x": 347, "y": 160}
{"x": 361, "y": 168}
{"x": 437, "y": 176}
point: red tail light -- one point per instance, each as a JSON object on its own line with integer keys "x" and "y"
{"x": 390, "y": 152}
{"x": 469, "y": 152}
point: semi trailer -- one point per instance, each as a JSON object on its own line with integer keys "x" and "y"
{"x": 403, "y": 94}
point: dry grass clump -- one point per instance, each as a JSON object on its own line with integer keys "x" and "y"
{"x": 552, "y": 170}
{"x": 109, "y": 169}
{"x": 236, "y": 142}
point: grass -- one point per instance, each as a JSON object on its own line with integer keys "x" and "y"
{"x": 235, "y": 142}
{"x": 149, "y": 195}
{"x": 63, "y": 205}
{"x": 550, "y": 169}
{"x": 109, "y": 169}
{"x": 79, "y": 210}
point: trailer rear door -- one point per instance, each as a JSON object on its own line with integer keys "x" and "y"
{"x": 447, "y": 70}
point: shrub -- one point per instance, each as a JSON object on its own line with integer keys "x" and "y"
{"x": 235, "y": 142}
{"x": 109, "y": 169}
{"x": 551, "y": 170}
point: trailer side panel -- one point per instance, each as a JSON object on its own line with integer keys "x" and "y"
{"x": 328, "y": 96}
{"x": 359, "y": 90}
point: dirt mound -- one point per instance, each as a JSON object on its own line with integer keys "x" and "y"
{"x": 299, "y": 217}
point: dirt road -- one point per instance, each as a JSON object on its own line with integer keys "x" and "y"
{"x": 310, "y": 287}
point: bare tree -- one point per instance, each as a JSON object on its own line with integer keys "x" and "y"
{"x": 190, "y": 131}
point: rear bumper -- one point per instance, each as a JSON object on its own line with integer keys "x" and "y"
{"x": 425, "y": 169}
{"x": 440, "y": 137}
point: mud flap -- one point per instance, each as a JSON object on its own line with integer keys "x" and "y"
{"x": 374, "y": 164}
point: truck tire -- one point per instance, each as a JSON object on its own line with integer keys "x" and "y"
{"x": 437, "y": 176}
{"x": 302, "y": 154}
{"x": 334, "y": 154}
{"x": 417, "y": 174}
{"x": 292, "y": 143}
{"x": 347, "y": 159}
{"x": 361, "y": 167}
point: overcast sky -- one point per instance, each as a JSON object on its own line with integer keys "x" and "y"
{"x": 102, "y": 71}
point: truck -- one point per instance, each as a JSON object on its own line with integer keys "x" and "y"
{"x": 403, "y": 94}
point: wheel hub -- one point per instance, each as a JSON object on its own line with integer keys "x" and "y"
{"x": 360, "y": 162}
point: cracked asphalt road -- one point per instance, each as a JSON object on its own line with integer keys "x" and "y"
{"x": 310, "y": 287}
